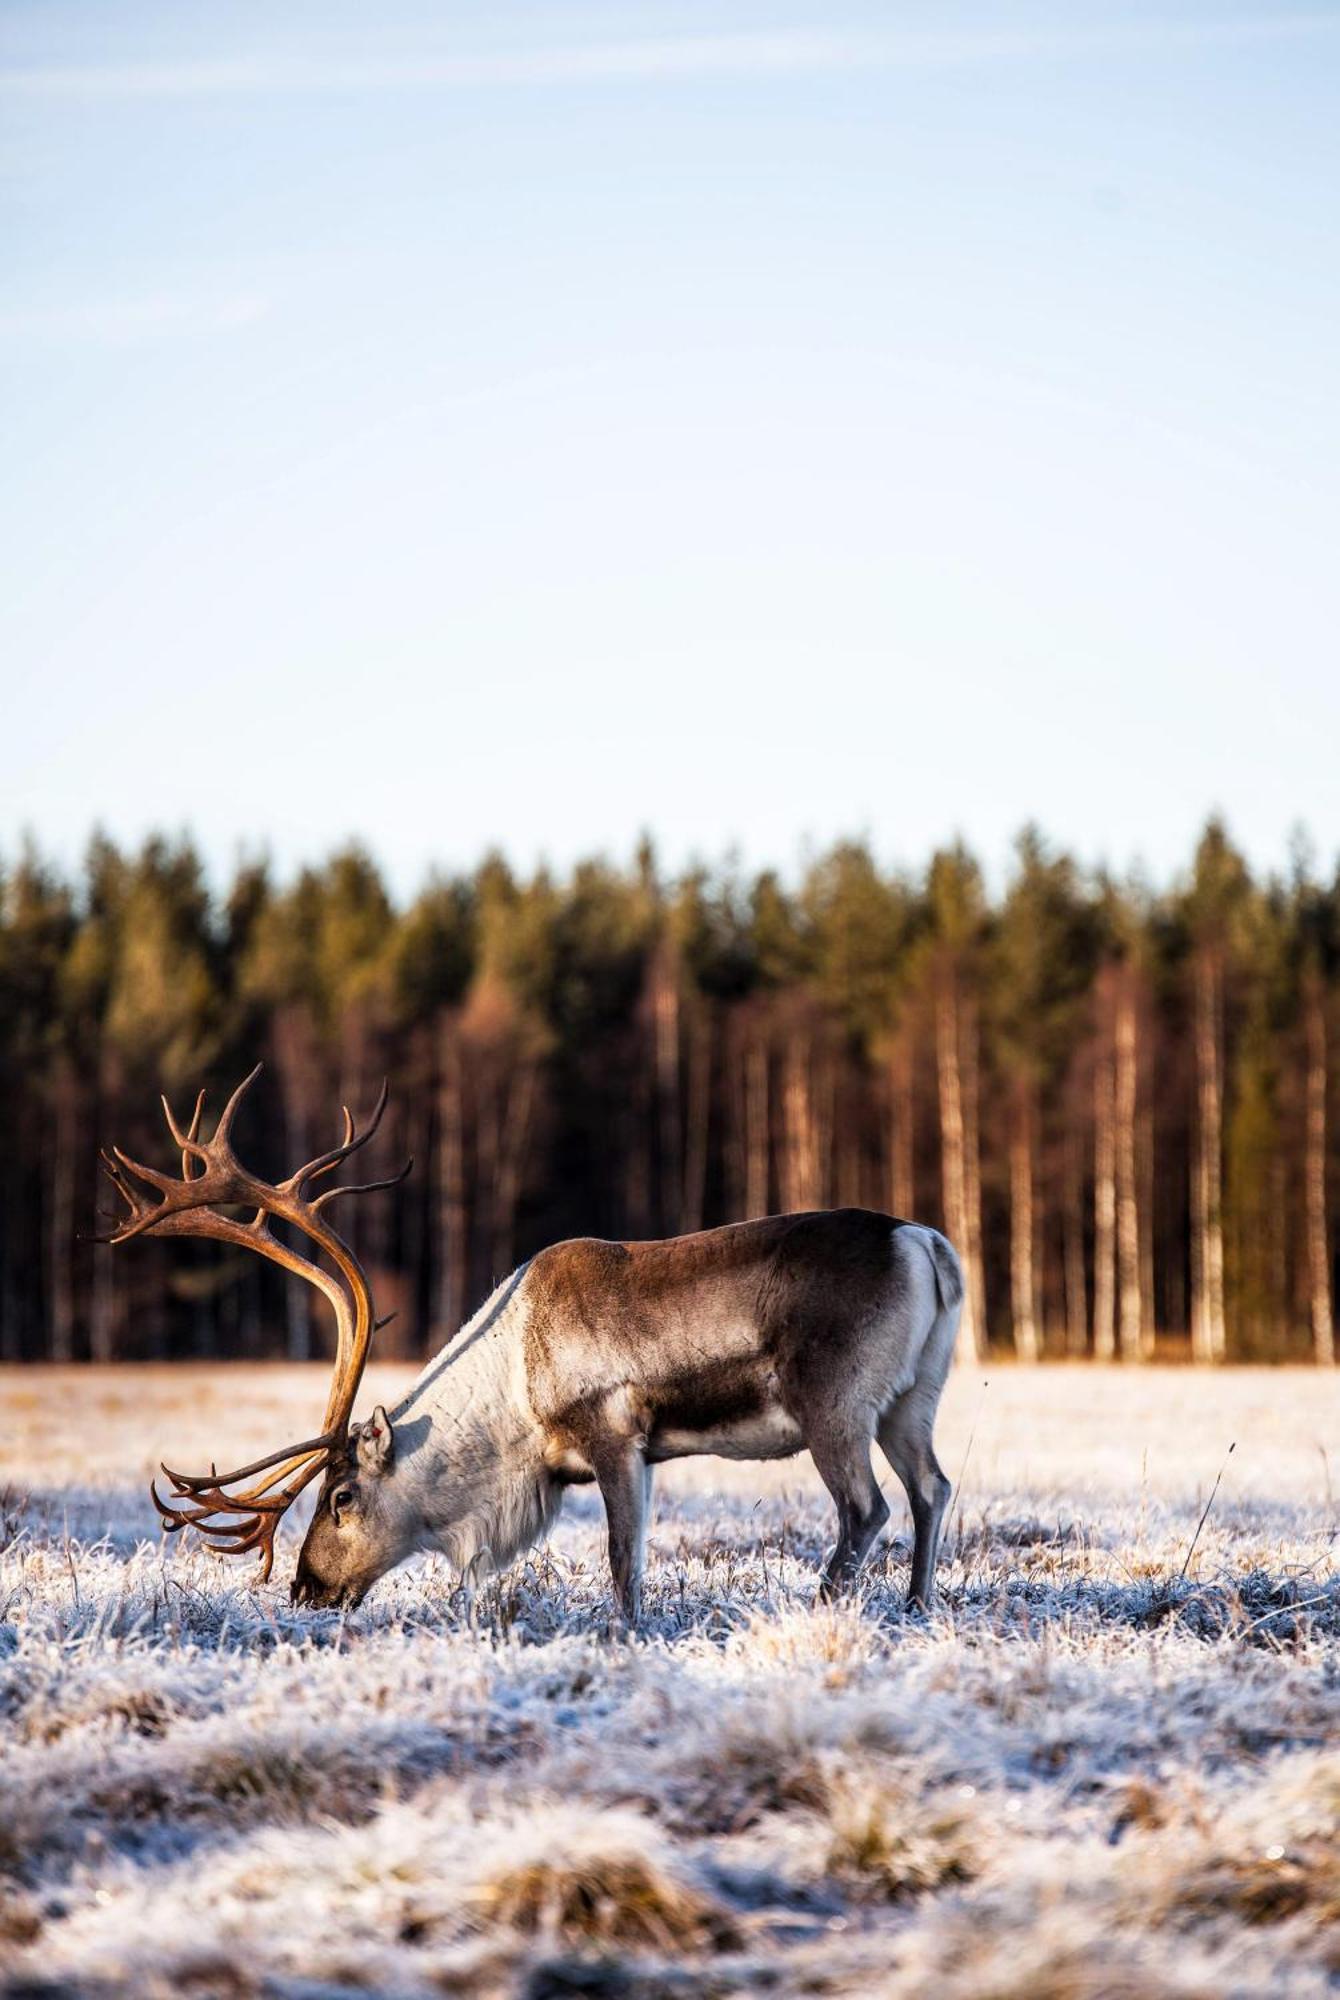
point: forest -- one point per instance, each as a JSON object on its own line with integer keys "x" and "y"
{"x": 1114, "y": 1097}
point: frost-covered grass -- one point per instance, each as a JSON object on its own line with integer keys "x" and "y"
{"x": 1086, "y": 1775}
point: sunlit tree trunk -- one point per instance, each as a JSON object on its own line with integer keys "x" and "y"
{"x": 799, "y": 1126}
{"x": 60, "y": 1214}
{"x": 1144, "y": 1163}
{"x": 294, "y": 1059}
{"x": 638, "y": 1124}
{"x": 104, "y": 1304}
{"x": 1208, "y": 1333}
{"x": 414, "y": 1261}
{"x": 756, "y": 1127}
{"x": 665, "y": 1031}
{"x": 848, "y": 1155}
{"x": 453, "y": 1241}
{"x": 1131, "y": 1326}
{"x": 824, "y": 1099}
{"x": 972, "y": 1167}
{"x": 954, "y": 1149}
{"x": 1022, "y": 1240}
{"x": 1318, "y": 1235}
{"x": 513, "y": 1140}
{"x": 1076, "y": 1290}
{"x": 902, "y": 1183}
{"x": 698, "y": 1087}
{"x": 359, "y": 1223}
{"x": 849, "y": 1189}
{"x": 11, "y": 1347}
{"x": 1104, "y": 1206}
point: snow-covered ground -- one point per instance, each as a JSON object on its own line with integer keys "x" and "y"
{"x": 1086, "y": 1775}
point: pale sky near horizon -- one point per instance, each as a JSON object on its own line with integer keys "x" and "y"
{"x": 524, "y": 426}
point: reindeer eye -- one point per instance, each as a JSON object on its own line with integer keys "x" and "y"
{"x": 342, "y": 1497}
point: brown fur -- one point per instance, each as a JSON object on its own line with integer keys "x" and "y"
{"x": 824, "y": 1330}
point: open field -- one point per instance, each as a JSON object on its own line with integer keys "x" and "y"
{"x": 1086, "y": 1775}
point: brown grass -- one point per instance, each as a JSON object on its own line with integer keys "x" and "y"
{"x": 607, "y": 1899}
{"x": 890, "y": 1849}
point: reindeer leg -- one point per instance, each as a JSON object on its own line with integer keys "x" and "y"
{"x": 841, "y": 1453}
{"x": 905, "y": 1439}
{"x": 625, "y": 1488}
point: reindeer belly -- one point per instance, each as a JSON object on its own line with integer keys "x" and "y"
{"x": 726, "y": 1413}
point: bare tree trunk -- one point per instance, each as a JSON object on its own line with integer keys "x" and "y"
{"x": 293, "y": 1055}
{"x": 638, "y": 1125}
{"x": 953, "y": 1161}
{"x": 972, "y": 1168}
{"x": 902, "y": 1186}
{"x": 514, "y": 1136}
{"x": 823, "y": 1096}
{"x": 1144, "y": 1164}
{"x": 1022, "y": 1240}
{"x": 453, "y": 1242}
{"x": 699, "y": 1092}
{"x": 60, "y": 1215}
{"x": 756, "y": 1128}
{"x": 358, "y": 1221}
{"x": 1076, "y": 1293}
{"x": 800, "y": 1126}
{"x": 848, "y": 1160}
{"x": 1318, "y": 1238}
{"x": 665, "y": 1025}
{"x": 1279, "y": 1242}
{"x": 11, "y": 1345}
{"x": 414, "y": 1257}
{"x": 1198, "y": 1352}
{"x": 734, "y": 1056}
{"x": 104, "y": 1305}
{"x": 1209, "y": 1342}
{"x": 1104, "y": 1208}
{"x": 1131, "y": 1334}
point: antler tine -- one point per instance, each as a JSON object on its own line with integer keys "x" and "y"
{"x": 365, "y": 1187}
{"x": 352, "y": 1142}
{"x": 189, "y": 1140}
{"x": 240, "y": 1510}
{"x": 143, "y": 1213}
{"x": 163, "y": 1182}
{"x": 287, "y": 1455}
{"x": 198, "y": 1499}
{"x": 220, "y": 1143}
{"x": 226, "y": 1538}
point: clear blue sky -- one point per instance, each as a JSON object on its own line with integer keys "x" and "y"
{"x": 458, "y": 426}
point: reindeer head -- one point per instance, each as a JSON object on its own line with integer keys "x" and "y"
{"x": 363, "y": 1525}
{"x": 234, "y": 1521}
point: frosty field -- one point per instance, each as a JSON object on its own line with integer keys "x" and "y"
{"x": 1085, "y": 1775}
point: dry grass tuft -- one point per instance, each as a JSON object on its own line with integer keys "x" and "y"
{"x": 606, "y": 1896}
{"x": 1097, "y": 1971}
{"x": 20, "y": 1918}
{"x": 140, "y": 1711}
{"x": 1263, "y": 1888}
{"x": 741, "y": 1772}
{"x": 1141, "y": 1806}
{"x": 889, "y": 1849}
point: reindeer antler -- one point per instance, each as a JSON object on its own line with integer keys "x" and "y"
{"x": 235, "y": 1522}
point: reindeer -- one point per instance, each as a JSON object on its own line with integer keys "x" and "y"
{"x": 593, "y": 1362}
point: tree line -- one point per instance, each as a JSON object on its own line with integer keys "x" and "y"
{"x": 1115, "y": 1099}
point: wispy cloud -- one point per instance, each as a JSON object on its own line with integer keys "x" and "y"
{"x": 668, "y": 59}
{"x": 126, "y": 322}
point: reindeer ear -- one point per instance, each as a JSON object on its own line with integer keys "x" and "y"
{"x": 375, "y": 1444}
